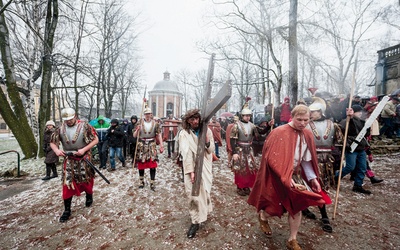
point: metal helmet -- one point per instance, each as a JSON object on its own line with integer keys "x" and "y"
{"x": 246, "y": 110}
{"x": 318, "y": 104}
{"x": 147, "y": 111}
{"x": 67, "y": 114}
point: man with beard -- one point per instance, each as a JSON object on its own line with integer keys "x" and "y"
{"x": 149, "y": 133}
{"x": 199, "y": 206}
{"x": 288, "y": 177}
{"x": 77, "y": 137}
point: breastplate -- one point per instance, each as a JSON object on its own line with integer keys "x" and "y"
{"x": 245, "y": 131}
{"x": 148, "y": 130}
{"x": 70, "y": 133}
{"x": 323, "y": 132}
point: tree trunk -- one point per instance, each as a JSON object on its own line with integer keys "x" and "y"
{"x": 45, "y": 90}
{"x": 293, "y": 78}
{"x": 13, "y": 112}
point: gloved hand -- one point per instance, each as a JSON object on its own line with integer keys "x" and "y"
{"x": 370, "y": 158}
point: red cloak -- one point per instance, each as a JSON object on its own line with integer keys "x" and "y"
{"x": 272, "y": 191}
{"x": 215, "y": 127}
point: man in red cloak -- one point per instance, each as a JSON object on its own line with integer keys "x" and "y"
{"x": 216, "y": 131}
{"x": 288, "y": 176}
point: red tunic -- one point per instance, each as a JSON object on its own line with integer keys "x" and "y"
{"x": 272, "y": 191}
{"x": 216, "y": 131}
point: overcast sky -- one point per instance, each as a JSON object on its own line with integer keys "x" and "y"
{"x": 170, "y": 41}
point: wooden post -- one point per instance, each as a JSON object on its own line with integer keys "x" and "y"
{"x": 207, "y": 112}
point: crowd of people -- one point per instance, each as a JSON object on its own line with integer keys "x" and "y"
{"x": 286, "y": 162}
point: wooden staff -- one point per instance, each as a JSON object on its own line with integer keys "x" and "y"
{"x": 345, "y": 139}
{"x": 273, "y": 111}
{"x": 141, "y": 123}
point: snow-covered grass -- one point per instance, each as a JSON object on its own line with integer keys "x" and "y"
{"x": 9, "y": 161}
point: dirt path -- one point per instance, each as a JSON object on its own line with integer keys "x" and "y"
{"x": 124, "y": 217}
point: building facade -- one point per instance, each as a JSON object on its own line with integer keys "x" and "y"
{"x": 165, "y": 98}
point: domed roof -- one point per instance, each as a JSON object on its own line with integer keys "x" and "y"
{"x": 166, "y": 85}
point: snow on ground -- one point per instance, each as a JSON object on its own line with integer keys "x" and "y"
{"x": 125, "y": 217}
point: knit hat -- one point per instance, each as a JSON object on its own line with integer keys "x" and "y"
{"x": 50, "y": 123}
{"x": 357, "y": 108}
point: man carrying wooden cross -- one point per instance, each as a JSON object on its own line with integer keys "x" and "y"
{"x": 199, "y": 206}
{"x": 196, "y": 145}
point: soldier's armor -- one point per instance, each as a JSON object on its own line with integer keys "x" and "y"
{"x": 242, "y": 135}
{"x": 146, "y": 147}
{"x": 149, "y": 129}
{"x": 75, "y": 169}
{"x": 324, "y": 137}
{"x": 68, "y": 137}
{"x": 324, "y": 133}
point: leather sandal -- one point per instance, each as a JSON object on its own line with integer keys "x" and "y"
{"x": 293, "y": 245}
{"x": 326, "y": 225}
{"x": 265, "y": 226}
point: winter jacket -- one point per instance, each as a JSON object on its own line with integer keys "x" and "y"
{"x": 355, "y": 126}
{"x": 389, "y": 110}
{"x": 51, "y": 157}
{"x": 115, "y": 136}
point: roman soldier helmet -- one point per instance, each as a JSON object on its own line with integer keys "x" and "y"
{"x": 318, "y": 105}
{"x": 146, "y": 110}
{"x": 246, "y": 110}
{"x": 67, "y": 114}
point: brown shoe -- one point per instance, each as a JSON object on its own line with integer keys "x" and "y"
{"x": 293, "y": 245}
{"x": 265, "y": 226}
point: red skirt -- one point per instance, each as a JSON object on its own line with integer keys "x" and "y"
{"x": 146, "y": 165}
{"x": 245, "y": 180}
{"x": 68, "y": 192}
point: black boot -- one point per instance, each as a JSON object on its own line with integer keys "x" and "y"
{"x": 308, "y": 214}
{"x": 67, "y": 210}
{"x": 48, "y": 171}
{"x": 152, "y": 185}
{"x": 54, "y": 170}
{"x": 141, "y": 182}
{"x": 89, "y": 200}
{"x": 192, "y": 230}
{"x": 360, "y": 189}
{"x": 375, "y": 180}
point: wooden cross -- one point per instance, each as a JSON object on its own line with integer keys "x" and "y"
{"x": 208, "y": 110}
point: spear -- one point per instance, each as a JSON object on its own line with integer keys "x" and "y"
{"x": 345, "y": 138}
{"x": 141, "y": 121}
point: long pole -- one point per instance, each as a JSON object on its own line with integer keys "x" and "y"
{"x": 273, "y": 109}
{"x": 345, "y": 139}
{"x": 141, "y": 123}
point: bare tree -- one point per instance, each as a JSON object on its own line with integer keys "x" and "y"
{"x": 293, "y": 67}
{"x": 13, "y": 112}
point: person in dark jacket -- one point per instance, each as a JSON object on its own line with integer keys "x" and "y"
{"x": 358, "y": 159}
{"x": 129, "y": 132}
{"x": 115, "y": 136}
{"x": 125, "y": 125}
{"x": 102, "y": 147}
{"x": 51, "y": 157}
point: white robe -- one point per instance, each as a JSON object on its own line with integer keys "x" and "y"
{"x": 199, "y": 206}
